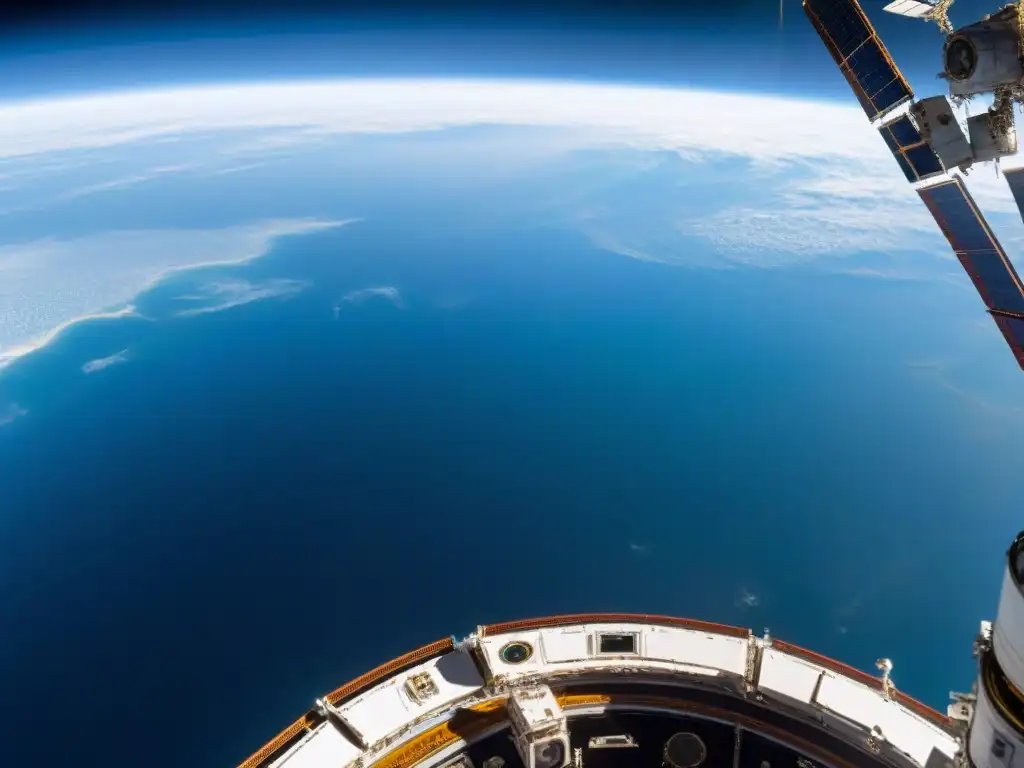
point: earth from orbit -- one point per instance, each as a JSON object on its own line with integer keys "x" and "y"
{"x": 299, "y": 376}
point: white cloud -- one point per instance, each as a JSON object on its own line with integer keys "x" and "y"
{"x": 240, "y": 168}
{"x": 695, "y": 123}
{"x": 10, "y": 413}
{"x": 9, "y": 354}
{"x": 122, "y": 182}
{"x": 747, "y": 599}
{"x": 50, "y": 284}
{"x": 226, "y": 294}
{"x": 353, "y": 298}
{"x": 830, "y": 188}
{"x": 801, "y": 231}
{"x": 108, "y": 185}
{"x": 651, "y": 118}
{"x": 102, "y": 363}
{"x": 833, "y": 185}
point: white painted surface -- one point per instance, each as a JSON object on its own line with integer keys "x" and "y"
{"x": 324, "y": 748}
{"x": 785, "y": 675}
{"x": 901, "y": 728}
{"x": 993, "y": 744}
{"x": 565, "y": 649}
{"x": 1008, "y": 633}
{"x": 535, "y": 708}
{"x": 685, "y": 646}
{"x": 388, "y": 707}
{"x": 388, "y": 711}
{"x": 569, "y": 644}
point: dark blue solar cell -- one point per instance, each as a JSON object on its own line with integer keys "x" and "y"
{"x": 958, "y": 218}
{"x": 1015, "y": 326}
{"x": 877, "y": 76}
{"x": 893, "y": 94}
{"x": 890, "y": 141}
{"x": 1013, "y": 332}
{"x": 995, "y": 279}
{"x": 905, "y": 167}
{"x": 842, "y": 22}
{"x": 924, "y": 161}
{"x": 1015, "y": 179}
{"x": 982, "y": 257}
{"x": 904, "y": 132}
{"x": 862, "y": 98}
{"x": 980, "y": 253}
{"x": 872, "y": 70}
{"x": 852, "y": 41}
{"x": 920, "y": 162}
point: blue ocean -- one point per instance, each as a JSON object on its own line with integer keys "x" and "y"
{"x": 266, "y": 501}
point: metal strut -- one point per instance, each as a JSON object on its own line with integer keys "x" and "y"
{"x": 940, "y": 15}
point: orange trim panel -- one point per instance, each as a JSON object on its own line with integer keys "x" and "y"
{"x": 465, "y": 725}
{"x": 279, "y": 742}
{"x": 613, "y": 618}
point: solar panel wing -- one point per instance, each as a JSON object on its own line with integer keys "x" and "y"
{"x": 981, "y": 255}
{"x": 860, "y": 54}
{"x": 1015, "y": 178}
{"x": 915, "y": 156}
{"x": 915, "y": 9}
{"x": 904, "y": 132}
{"x": 1013, "y": 332}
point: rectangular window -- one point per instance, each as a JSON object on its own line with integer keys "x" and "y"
{"x": 617, "y": 644}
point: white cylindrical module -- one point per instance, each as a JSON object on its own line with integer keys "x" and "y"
{"x": 1008, "y": 633}
{"x": 993, "y": 742}
{"x": 996, "y": 736}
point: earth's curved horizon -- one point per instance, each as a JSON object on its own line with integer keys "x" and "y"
{"x": 617, "y": 116}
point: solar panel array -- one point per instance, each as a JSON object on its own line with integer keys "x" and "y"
{"x": 982, "y": 257}
{"x": 863, "y": 60}
{"x": 880, "y": 87}
{"x": 1015, "y": 179}
{"x": 915, "y": 9}
{"x": 915, "y": 156}
{"x": 1013, "y": 332}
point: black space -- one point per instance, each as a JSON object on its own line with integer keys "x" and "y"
{"x": 50, "y": 16}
